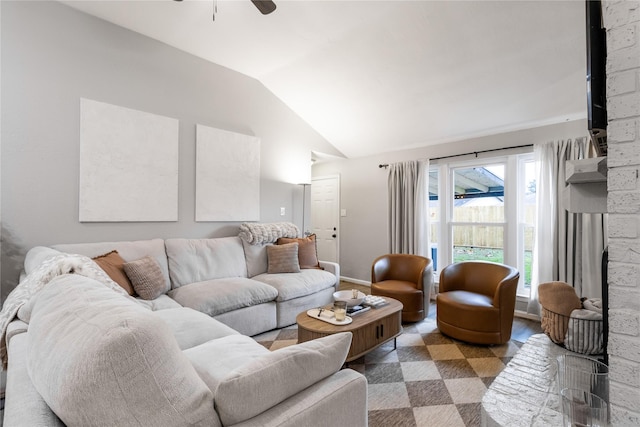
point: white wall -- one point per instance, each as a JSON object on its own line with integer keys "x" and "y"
{"x": 52, "y": 56}
{"x": 3, "y": 377}
{"x": 363, "y": 192}
{"x": 622, "y": 21}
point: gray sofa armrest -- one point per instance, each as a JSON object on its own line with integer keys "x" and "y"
{"x": 23, "y": 405}
{"x": 340, "y": 399}
{"x": 332, "y": 267}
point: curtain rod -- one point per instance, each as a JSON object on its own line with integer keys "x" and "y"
{"x": 386, "y": 165}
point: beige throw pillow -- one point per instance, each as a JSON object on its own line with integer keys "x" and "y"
{"x": 283, "y": 258}
{"x": 146, "y": 277}
{"x": 307, "y": 250}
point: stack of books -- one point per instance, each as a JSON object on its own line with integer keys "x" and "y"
{"x": 374, "y": 301}
{"x": 356, "y": 309}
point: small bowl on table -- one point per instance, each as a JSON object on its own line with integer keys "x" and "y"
{"x": 347, "y": 296}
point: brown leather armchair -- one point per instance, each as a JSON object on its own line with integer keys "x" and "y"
{"x": 406, "y": 278}
{"x": 476, "y": 301}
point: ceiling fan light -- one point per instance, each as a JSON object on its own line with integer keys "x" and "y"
{"x": 264, "y": 6}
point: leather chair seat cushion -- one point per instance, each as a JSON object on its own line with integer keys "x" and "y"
{"x": 405, "y": 292}
{"x": 395, "y": 287}
{"x": 468, "y": 310}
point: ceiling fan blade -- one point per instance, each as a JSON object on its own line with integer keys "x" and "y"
{"x": 264, "y": 6}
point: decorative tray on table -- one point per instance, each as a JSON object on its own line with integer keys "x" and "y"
{"x": 326, "y": 315}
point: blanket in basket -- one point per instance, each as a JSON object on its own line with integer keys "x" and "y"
{"x": 585, "y": 328}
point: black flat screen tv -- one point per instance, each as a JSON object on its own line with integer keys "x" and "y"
{"x": 596, "y": 76}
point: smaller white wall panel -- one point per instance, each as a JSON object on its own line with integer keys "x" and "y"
{"x": 227, "y": 175}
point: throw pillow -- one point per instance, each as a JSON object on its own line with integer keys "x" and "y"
{"x": 146, "y": 277}
{"x": 112, "y": 264}
{"x": 283, "y": 258}
{"x": 271, "y": 378}
{"x": 307, "y": 250}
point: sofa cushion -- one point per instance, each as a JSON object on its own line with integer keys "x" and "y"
{"x": 113, "y": 264}
{"x": 163, "y": 302}
{"x": 283, "y": 258}
{"x": 128, "y": 250}
{"x": 256, "y": 257}
{"x": 219, "y": 296}
{"x": 192, "y": 328}
{"x": 307, "y": 250}
{"x": 23, "y": 405}
{"x": 270, "y": 379}
{"x": 197, "y": 260}
{"x": 290, "y": 286}
{"x": 229, "y": 353}
{"x": 146, "y": 277}
{"x": 96, "y": 355}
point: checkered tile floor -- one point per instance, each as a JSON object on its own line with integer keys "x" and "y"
{"x": 430, "y": 380}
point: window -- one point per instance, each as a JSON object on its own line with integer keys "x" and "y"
{"x": 527, "y": 220}
{"x": 478, "y": 219}
{"x": 434, "y": 216}
{"x": 484, "y": 210}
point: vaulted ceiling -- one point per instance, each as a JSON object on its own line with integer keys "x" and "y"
{"x": 378, "y": 76}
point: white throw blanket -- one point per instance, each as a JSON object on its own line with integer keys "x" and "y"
{"x": 51, "y": 268}
{"x": 258, "y": 234}
{"x": 593, "y": 304}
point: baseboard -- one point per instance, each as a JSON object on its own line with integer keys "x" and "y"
{"x": 356, "y": 281}
{"x": 526, "y": 315}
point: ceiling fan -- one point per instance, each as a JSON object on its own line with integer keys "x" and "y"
{"x": 264, "y": 6}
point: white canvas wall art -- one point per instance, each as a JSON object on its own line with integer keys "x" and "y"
{"x": 128, "y": 164}
{"x": 227, "y": 175}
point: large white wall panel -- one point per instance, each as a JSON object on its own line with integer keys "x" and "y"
{"x": 128, "y": 164}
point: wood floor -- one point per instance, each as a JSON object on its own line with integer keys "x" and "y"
{"x": 522, "y": 328}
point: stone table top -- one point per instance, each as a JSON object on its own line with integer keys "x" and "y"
{"x": 526, "y": 393}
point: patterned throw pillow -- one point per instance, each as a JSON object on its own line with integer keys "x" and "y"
{"x": 283, "y": 258}
{"x": 307, "y": 250}
{"x": 112, "y": 264}
{"x": 146, "y": 277}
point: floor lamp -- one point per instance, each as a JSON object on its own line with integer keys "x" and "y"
{"x": 304, "y": 209}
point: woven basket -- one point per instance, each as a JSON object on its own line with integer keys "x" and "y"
{"x": 579, "y": 335}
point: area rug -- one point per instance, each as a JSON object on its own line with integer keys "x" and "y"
{"x": 429, "y": 380}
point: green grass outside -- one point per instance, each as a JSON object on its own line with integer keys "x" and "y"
{"x": 470, "y": 253}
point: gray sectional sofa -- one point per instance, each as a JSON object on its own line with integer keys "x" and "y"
{"x": 82, "y": 353}
{"x": 224, "y": 277}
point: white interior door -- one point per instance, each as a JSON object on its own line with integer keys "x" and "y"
{"x": 325, "y": 216}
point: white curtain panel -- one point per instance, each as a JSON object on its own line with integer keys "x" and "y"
{"x": 568, "y": 246}
{"x": 408, "y": 207}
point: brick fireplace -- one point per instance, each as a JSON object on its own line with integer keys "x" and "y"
{"x": 622, "y": 22}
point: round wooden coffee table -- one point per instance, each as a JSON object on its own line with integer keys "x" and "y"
{"x": 370, "y": 329}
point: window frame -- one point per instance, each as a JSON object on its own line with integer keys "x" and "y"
{"x": 514, "y": 215}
